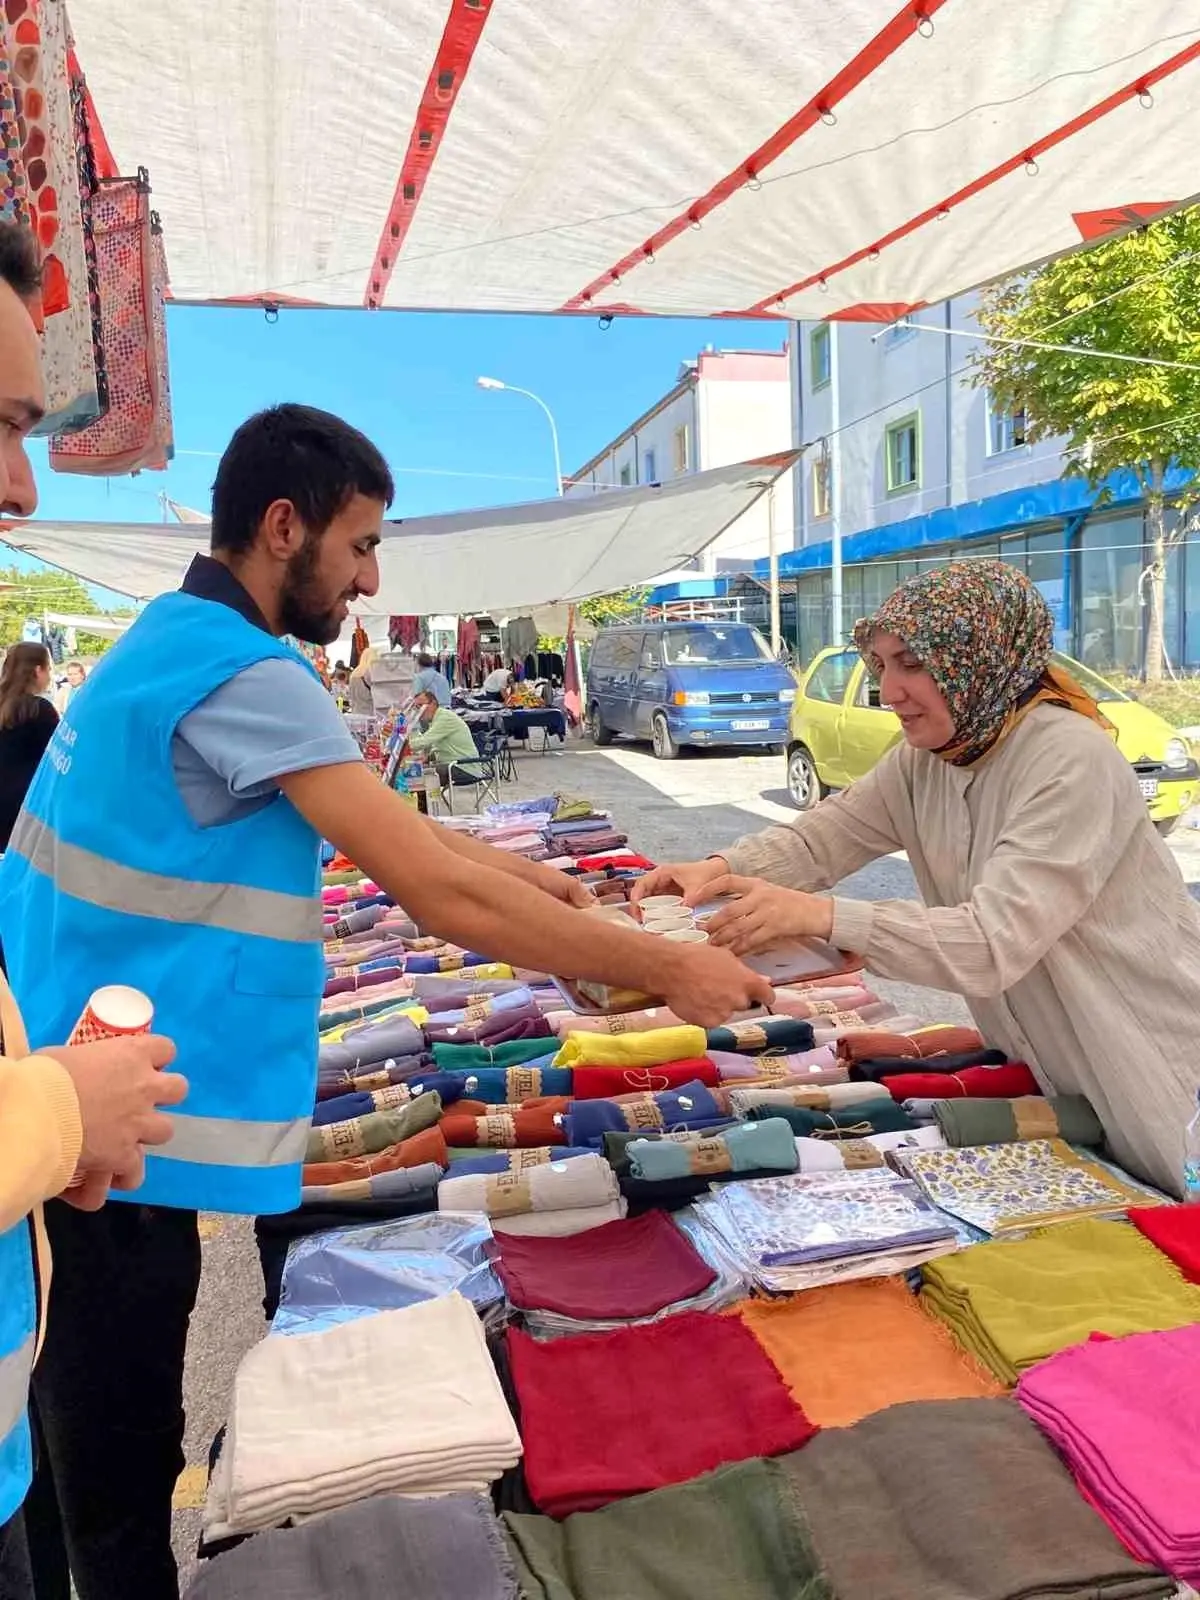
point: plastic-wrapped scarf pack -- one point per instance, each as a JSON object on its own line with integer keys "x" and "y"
{"x": 129, "y": 434}
{"x": 353, "y": 1272}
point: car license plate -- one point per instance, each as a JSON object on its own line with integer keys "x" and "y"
{"x": 752, "y": 725}
{"x": 1149, "y": 788}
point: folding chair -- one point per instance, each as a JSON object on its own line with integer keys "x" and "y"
{"x": 482, "y": 773}
{"x": 502, "y": 751}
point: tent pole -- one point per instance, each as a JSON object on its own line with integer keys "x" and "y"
{"x": 773, "y": 554}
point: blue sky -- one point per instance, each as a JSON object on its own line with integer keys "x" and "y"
{"x": 408, "y": 380}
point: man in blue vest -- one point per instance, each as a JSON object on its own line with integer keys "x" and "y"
{"x": 84, "y": 1112}
{"x": 169, "y": 841}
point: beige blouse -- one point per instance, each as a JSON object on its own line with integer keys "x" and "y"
{"x": 1051, "y": 904}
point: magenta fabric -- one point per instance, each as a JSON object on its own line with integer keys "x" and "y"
{"x": 1125, "y": 1415}
{"x": 632, "y": 1268}
{"x": 606, "y": 1415}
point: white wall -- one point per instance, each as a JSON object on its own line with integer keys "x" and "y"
{"x": 883, "y": 376}
{"x": 741, "y": 419}
{"x": 657, "y": 436}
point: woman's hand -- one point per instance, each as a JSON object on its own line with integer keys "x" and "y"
{"x": 763, "y": 915}
{"x": 691, "y": 879}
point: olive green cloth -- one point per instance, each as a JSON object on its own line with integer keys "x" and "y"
{"x": 732, "y": 1534}
{"x": 1061, "y": 1116}
{"x": 366, "y": 1136}
{"x": 1014, "y": 1302}
{"x": 953, "y": 1500}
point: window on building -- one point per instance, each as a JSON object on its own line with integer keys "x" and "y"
{"x": 902, "y": 442}
{"x": 822, "y": 487}
{"x": 831, "y": 678}
{"x": 821, "y": 355}
{"x": 649, "y": 467}
{"x": 626, "y": 476}
{"x": 1006, "y": 429}
{"x": 681, "y": 449}
{"x": 1108, "y": 623}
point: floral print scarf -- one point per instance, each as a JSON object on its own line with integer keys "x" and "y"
{"x": 985, "y": 634}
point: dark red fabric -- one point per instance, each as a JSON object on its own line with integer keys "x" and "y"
{"x": 972, "y": 1083}
{"x": 606, "y": 1415}
{"x": 602, "y": 1083}
{"x": 598, "y": 863}
{"x": 631, "y": 1268}
{"x": 1175, "y": 1230}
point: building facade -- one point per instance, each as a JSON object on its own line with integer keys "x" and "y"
{"x": 914, "y": 467}
{"x": 726, "y": 406}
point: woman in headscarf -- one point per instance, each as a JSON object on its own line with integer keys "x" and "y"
{"x": 1048, "y": 899}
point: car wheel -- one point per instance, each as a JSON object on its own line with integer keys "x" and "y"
{"x": 804, "y": 784}
{"x": 1167, "y": 825}
{"x": 665, "y": 748}
{"x": 601, "y": 735}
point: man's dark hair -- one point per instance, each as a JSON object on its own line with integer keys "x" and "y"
{"x": 20, "y": 262}
{"x": 424, "y": 662}
{"x": 295, "y": 453}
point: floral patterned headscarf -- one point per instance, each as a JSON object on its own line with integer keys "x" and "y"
{"x": 985, "y": 635}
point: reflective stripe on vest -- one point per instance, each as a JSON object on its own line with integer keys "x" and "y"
{"x": 262, "y": 913}
{"x": 232, "y": 1142}
{"x": 15, "y": 1370}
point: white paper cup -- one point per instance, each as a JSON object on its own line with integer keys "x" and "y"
{"x": 664, "y": 924}
{"x": 687, "y": 936}
{"x": 661, "y": 902}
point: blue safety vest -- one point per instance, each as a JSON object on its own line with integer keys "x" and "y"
{"x": 18, "y": 1333}
{"x": 107, "y": 880}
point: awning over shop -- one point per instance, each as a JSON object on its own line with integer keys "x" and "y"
{"x": 503, "y": 561}
{"x": 804, "y": 158}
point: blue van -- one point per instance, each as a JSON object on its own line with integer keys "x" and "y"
{"x": 677, "y": 683}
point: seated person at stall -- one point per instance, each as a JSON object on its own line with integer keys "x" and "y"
{"x": 1047, "y": 899}
{"x": 443, "y": 736}
{"x": 430, "y": 681}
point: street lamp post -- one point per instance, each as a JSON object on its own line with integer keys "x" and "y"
{"x": 495, "y": 383}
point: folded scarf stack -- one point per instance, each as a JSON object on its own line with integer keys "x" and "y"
{"x": 607, "y": 1415}
{"x": 773, "y": 1035}
{"x": 400, "y": 1183}
{"x": 624, "y": 1270}
{"x": 1065, "y": 1116}
{"x": 366, "y": 1136}
{"x": 1014, "y": 1303}
{"x": 876, "y": 1499}
{"x": 469, "y": 1057}
{"x": 917, "y": 1043}
{"x": 554, "y": 1198}
{"x": 852, "y": 1122}
{"x": 808, "y": 1004}
{"x": 814, "y": 1097}
{"x": 401, "y": 1069}
{"x": 422, "y": 1148}
{"x": 509, "y": 1127}
{"x": 565, "y": 1022}
{"x": 867, "y": 1154}
{"x": 449, "y": 1548}
{"x": 611, "y": 1083}
{"x": 766, "y": 1146}
{"x": 464, "y": 1163}
{"x": 1138, "y": 1464}
{"x": 367, "y": 1046}
{"x": 631, "y": 1050}
{"x": 1175, "y": 1230}
{"x": 447, "y": 1430}
{"x": 511, "y": 1086}
{"x": 827, "y": 1344}
{"x": 1010, "y": 1082}
{"x": 692, "y": 1106}
{"x": 805, "y": 1066}
{"x": 888, "y": 1066}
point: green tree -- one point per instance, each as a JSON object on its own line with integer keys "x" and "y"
{"x": 28, "y": 594}
{"x": 626, "y": 606}
{"x": 1138, "y": 295}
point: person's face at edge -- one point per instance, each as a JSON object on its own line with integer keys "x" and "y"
{"x": 75, "y": 676}
{"x": 22, "y": 404}
{"x": 328, "y": 571}
{"x": 907, "y": 688}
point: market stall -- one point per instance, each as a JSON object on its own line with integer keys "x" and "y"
{"x": 689, "y": 1313}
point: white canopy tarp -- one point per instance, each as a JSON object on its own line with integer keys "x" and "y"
{"x": 470, "y": 561}
{"x": 664, "y": 156}
{"x": 102, "y": 627}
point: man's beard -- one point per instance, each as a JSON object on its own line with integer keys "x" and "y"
{"x": 303, "y": 611}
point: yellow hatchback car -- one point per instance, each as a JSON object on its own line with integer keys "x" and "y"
{"x": 839, "y": 731}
